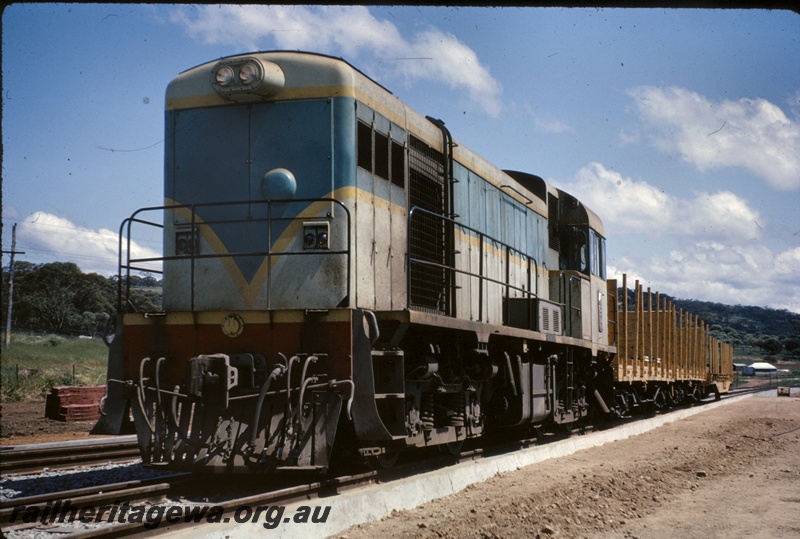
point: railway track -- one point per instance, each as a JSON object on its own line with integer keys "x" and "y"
{"x": 56, "y": 455}
{"x": 186, "y": 490}
{"x": 97, "y": 495}
{"x": 163, "y": 491}
{"x": 224, "y": 493}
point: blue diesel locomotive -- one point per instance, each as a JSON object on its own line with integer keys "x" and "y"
{"x": 340, "y": 277}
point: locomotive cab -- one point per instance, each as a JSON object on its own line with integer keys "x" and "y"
{"x": 580, "y": 282}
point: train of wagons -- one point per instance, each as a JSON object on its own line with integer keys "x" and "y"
{"x": 342, "y": 278}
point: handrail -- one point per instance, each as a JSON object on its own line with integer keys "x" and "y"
{"x": 532, "y": 290}
{"x": 517, "y": 191}
{"x": 566, "y": 278}
{"x": 127, "y": 263}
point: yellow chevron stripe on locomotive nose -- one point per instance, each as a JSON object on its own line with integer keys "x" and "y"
{"x": 250, "y": 289}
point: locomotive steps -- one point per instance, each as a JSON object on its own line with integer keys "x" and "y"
{"x": 377, "y": 501}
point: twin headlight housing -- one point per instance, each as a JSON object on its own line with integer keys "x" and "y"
{"x": 316, "y": 235}
{"x": 247, "y": 79}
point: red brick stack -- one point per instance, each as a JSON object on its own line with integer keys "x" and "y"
{"x": 72, "y": 403}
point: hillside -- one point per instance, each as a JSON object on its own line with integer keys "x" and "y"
{"x": 743, "y": 318}
{"x": 751, "y": 330}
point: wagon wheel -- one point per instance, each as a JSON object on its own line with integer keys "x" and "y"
{"x": 678, "y": 395}
{"x": 660, "y": 400}
{"x": 622, "y": 403}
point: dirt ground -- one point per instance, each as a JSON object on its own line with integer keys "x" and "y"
{"x": 24, "y": 423}
{"x": 729, "y": 472}
{"x": 733, "y": 471}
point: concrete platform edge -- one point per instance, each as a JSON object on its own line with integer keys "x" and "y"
{"x": 377, "y": 501}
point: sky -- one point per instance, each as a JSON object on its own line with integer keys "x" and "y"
{"x": 680, "y": 128}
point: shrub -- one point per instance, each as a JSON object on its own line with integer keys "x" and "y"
{"x": 22, "y": 384}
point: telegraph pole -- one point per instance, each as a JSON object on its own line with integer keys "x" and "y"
{"x": 13, "y": 252}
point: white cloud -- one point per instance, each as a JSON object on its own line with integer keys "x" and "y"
{"x": 704, "y": 246}
{"x": 292, "y": 27}
{"x": 718, "y": 215}
{"x": 350, "y": 31}
{"x": 786, "y": 266}
{"x": 752, "y": 134}
{"x": 740, "y": 274}
{"x": 454, "y": 63}
{"x": 626, "y": 137}
{"x": 629, "y": 206}
{"x": 49, "y": 237}
{"x": 793, "y": 102}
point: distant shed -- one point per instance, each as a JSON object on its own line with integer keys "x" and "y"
{"x": 763, "y": 369}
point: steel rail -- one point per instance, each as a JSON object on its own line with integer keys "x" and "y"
{"x": 125, "y": 490}
{"x": 36, "y": 457}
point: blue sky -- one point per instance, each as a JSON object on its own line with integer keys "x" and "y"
{"x": 680, "y": 128}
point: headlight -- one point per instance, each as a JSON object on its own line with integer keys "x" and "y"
{"x": 224, "y": 76}
{"x": 187, "y": 242}
{"x": 247, "y": 79}
{"x": 249, "y": 74}
{"x": 315, "y": 235}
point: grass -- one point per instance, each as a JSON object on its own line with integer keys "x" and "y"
{"x": 33, "y": 364}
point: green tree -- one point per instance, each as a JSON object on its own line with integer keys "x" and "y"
{"x": 58, "y": 295}
{"x": 792, "y": 344}
{"x": 46, "y": 295}
{"x": 771, "y": 345}
{"x": 94, "y": 323}
{"x": 95, "y": 294}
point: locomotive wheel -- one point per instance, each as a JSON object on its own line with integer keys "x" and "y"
{"x": 452, "y": 448}
{"x": 384, "y": 461}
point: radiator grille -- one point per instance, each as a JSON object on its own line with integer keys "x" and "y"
{"x": 427, "y": 281}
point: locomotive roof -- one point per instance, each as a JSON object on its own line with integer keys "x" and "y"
{"x": 575, "y": 212}
{"x": 309, "y": 75}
